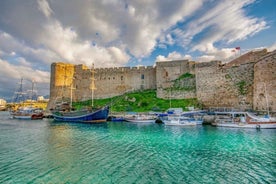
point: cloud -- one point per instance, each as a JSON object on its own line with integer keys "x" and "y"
{"x": 8, "y": 70}
{"x": 272, "y": 47}
{"x": 44, "y": 7}
{"x": 206, "y": 58}
{"x": 173, "y": 56}
{"x": 224, "y": 54}
{"x": 226, "y": 21}
{"x": 136, "y": 24}
{"x": 17, "y": 52}
{"x": 68, "y": 45}
{"x": 33, "y": 34}
{"x": 10, "y": 75}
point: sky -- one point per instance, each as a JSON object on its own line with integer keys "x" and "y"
{"x": 113, "y": 33}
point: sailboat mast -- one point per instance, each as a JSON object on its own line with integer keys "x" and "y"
{"x": 92, "y": 84}
{"x": 32, "y": 93}
{"x": 71, "y": 95}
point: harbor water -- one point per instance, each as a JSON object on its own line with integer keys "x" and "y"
{"x": 43, "y": 151}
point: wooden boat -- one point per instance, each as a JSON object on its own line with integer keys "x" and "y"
{"x": 27, "y": 113}
{"x": 84, "y": 116}
{"x": 244, "y": 120}
{"x": 65, "y": 113}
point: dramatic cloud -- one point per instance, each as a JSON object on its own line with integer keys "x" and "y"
{"x": 34, "y": 34}
{"x": 226, "y": 21}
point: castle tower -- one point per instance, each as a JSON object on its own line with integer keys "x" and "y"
{"x": 60, "y": 82}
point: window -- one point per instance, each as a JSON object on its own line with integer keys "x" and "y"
{"x": 142, "y": 76}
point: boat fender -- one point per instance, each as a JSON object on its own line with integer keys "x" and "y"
{"x": 258, "y": 126}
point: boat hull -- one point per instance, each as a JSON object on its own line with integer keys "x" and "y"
{"x": 141, "y": 121}
{"x": 244, "y": 120}
{"x": 98, "y": 116}
{"x": 29, "y": 117}
{"x": 183, "y": 123}
{"x": 256, "y": 126}
{"x": 27, "y": 113}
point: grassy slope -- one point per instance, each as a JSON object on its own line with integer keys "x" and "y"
{"x": 139, "y": 102}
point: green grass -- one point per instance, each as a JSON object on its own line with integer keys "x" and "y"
{"x": 142, "y": 101}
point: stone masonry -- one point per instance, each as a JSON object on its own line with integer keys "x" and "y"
{"x": 248, "y": 82}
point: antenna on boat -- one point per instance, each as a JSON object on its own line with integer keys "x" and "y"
{"x": 92, "y": 84}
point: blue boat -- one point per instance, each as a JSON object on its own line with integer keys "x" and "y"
{"x": 116, "y": 119}
{"x": 64, "y": 112}
{"x": 83, "y": 116}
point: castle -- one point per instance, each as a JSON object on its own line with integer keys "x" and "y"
{"x": 247, "y": 82}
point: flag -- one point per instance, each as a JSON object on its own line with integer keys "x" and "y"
{"x": 238, "y": 48}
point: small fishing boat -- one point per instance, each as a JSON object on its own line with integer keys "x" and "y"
{"x": 175, "y": 116}
{"x": 27, "y": 113}
{"x": 180, "y": 120}
{"x": 244, "y": 120}
{"x": 141, "y": 119}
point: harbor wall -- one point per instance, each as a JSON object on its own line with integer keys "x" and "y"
{"x": 238, "y": 84}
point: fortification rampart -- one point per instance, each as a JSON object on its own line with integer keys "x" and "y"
{"x": 230, "y": 84}
{"x": 239, "y": 83}
{"x": 75, "y": 81}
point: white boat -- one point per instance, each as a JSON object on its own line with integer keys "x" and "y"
{"x": 27, "y": 113}
{"x": 141, "y": 119}
{"x": 176, "y": 116}
{"x": 180, "y": 120}
{"x": 244, "y": 120}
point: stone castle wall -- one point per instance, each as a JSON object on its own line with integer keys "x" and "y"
{"x": 109, "y": 82}
{"x": 166, "y": 74}
{"x": 230, "y": 84}
{"x": 239, "y": 83}
{"x": 265, "y": 83}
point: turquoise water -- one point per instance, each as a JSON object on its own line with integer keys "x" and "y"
{"x": 46, "y": 152}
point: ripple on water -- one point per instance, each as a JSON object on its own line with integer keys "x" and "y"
{"x": 47, "y": 152}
